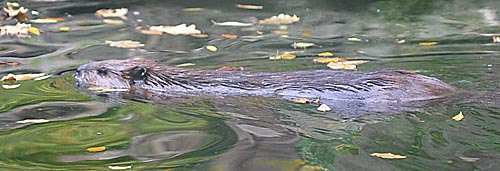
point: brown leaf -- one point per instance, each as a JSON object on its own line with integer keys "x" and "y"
{"x": 253, "y": 7}
{"x": 229, "y": 36}
{"x": 104, "y": 13}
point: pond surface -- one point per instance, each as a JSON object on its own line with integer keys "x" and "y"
{"x": 252, "y": 132}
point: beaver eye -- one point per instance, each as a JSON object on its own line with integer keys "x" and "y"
{"x": 138, "y": 74}
{"x": 102, "y": 71}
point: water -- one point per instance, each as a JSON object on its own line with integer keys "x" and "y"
{"x": 254, "y": 133}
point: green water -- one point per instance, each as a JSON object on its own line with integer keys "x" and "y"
{"x": 251, "y": 132}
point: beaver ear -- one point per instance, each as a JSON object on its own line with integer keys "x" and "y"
{"x": 137, "y": 74}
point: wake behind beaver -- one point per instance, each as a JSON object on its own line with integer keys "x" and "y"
{"x": 345, "y": 91}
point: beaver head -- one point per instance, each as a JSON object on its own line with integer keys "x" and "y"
{"x": 113, "y": 73}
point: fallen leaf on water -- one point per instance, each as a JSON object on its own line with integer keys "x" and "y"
{"x": 152, "y": 32}
{"x": 280, "y": 32}
{"x": 324, "y": 108}
{"x": 124, "y": 44}
{"x": 116, "y": 22}
{"x": 185, "y": 65}
{"x": 307, "y": 34}
{"x": 253, "y": 7}
{"x": 302, "y": 100}
{"x": 119, "y": 167}
{"x": 232, "y": 23}
{"x": 325, "y": 54}
{"x": 328, "y": 60}
{"x": 200, "y": 35}
{"x": 232, "y": 68}
{"x": 496, "y": 39}
{"x": 354, "y": 39}
{"x": 193, "y": 9}
{"x": 388, "y": 156}
{"x": 354, "y": 62}
{"x": 280, "y": 19}
{"x": 64, "y": 28}
{"x": 34, "y": 30}
{"x": 47, "y": 20}
{"x": 211, "y": 48}
{"x": 5, "y": 86}
{"x": 11, "y": 13}
{"x": 283, "y": 56}
{"x": 427, "y": 43}
{"x": 104, "y": 13}
{"x": 469, "y": 159}
{"x": 458, "y": 117}
{"x": 22, "y": 77}
{"x": 179, "y": 29}
{"x": 96, "y": 149}
{"x": 9, "y": 63}
{"x": 229, "y": 36}
{"x": 340, "y": 65}
{"x": 32, "y": 121}
{"x": 296, "y": 45}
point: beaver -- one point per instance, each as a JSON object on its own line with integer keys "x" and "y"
{"x": 375, "y": 91}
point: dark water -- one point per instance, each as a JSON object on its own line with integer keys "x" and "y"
{"x": 254, "y": 133}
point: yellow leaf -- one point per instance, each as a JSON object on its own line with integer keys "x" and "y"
{"x": 280, "y": 32}
{"x": 307, "y": 34}
{"x": 427, "y": 43}
{"x": 65, "y": 28}
{"x": 355, "y": 62}
{"x": 302, "y": 100}
{"x": 42, "y": 78}
{"x": 199, "y": 35}
{"x": 340, "y": 65}
{"x": 325, "y": 54}
{"x": 5, "y": 86}
{"x": 34, "y": 30}
{"x": 354, "y": 39}
{"x": 288, "y": 56}
{"x": 253, "y": 7}
{"x": 324, "y": 108}
{"x": 124, "y": 44}
{"x": 185, "y": 65}
{"x": 47, "y": 20}
{"x": 211, "y": 48}
{"x": 120, "y": 167}
{"x": 328, "y": 60}
{"x": 458, "y": 117}
{"x": 14, "y": 4}
{"x": 153, "y": 32}
{"x": 388, "y": 156}
{"x": 193, "y": 9}
{"x": 96, "y": 149}
{"x": 33, "y": 121}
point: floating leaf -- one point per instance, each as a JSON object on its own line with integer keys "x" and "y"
{"x": 64, "y": 28}
{"x": 388, "y": 156}
{"x": 355, "y": 62}
{"x": 32, "y": 121}
{"x": 302, "y": 100}
{"x": 296, "y": 45}
{"x": 47, "y": 20}
{"x": 116, "y": 22}
{"x": 229, "y": 36}
{"x": 5, "y": 86}
{"x": 328, "y": 60}
{"x": 307, "y": 34}
{"x": 124, "y": 44}
{"x": 211, "y": 48}
{"x": 325, "y": 54}
{"x": 34, "y": 30}
{"x": 427, "y": 43}
{"x": 233, "y": 68}
{"x": 176, "y": 30}
{"x": 22, "y": 77}
{"x": 193, "y": 9}
{"x": 200, "y": 35}
{"x": 458, "y": 117}
{"x": 284, "y": 56}
{"x": 324, "y": 108}
{"x": 232, "y": 24}
{"x": 19, "y": 14}
{"x": 104, "y": 13}
{"x": 42, "y": 78}
{"x": 340, "y": 65}
{"x": 280, "y": 19}
{"x": 354, "y": 39}
{"x": 280, "y": 32}
{"x": 185, "y": 65}
{"x": 253, "y": 7}
{"x": 119, "y": 167}
{"x": 14, "y": 4}
{"x": 20, "y": 30}
{"x": 96, "y": 149}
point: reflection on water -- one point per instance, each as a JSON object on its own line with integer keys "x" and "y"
{"x": 253, "y": 133}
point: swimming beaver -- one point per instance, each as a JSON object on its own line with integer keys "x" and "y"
{"x": 375, "y": 91}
